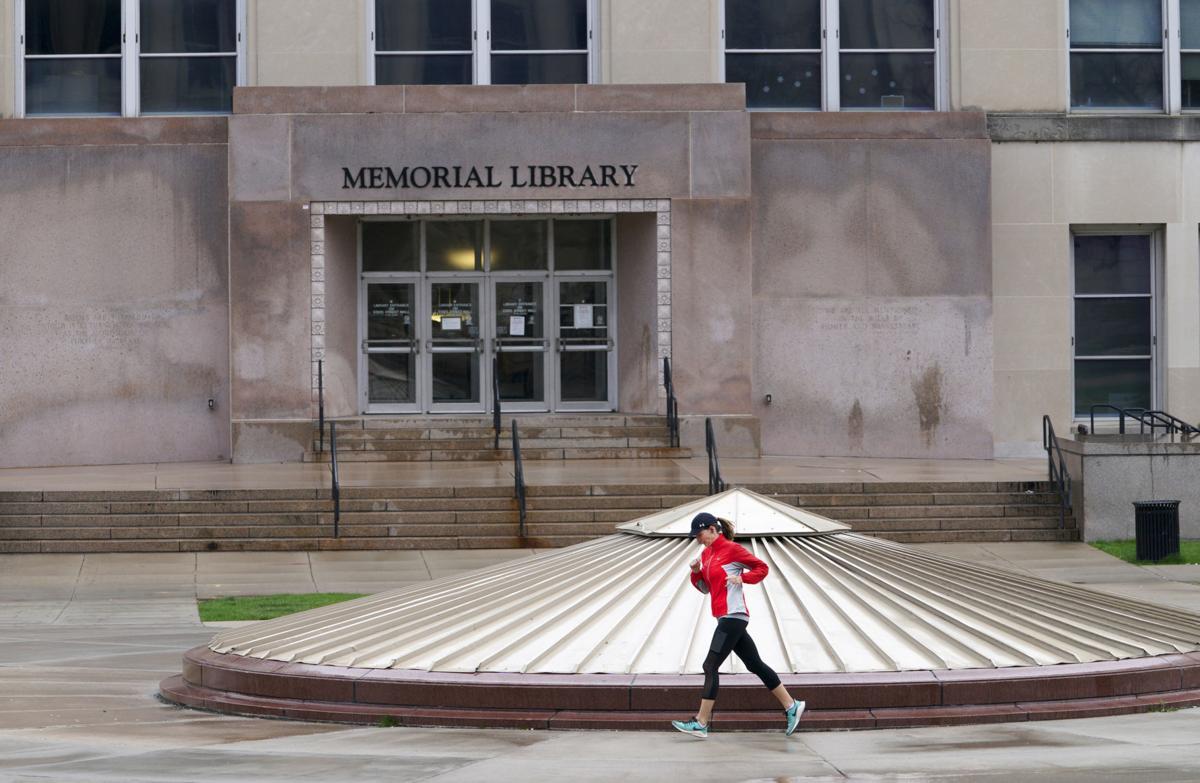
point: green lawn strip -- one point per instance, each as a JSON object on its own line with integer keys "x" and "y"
{"x": 265, "y": 607}
{"x": 1189, "y": 552}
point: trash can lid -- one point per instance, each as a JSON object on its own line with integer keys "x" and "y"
{"x": 1152, "y": 503}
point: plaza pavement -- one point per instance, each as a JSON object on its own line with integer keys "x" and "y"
{"x": 85, "y": 639}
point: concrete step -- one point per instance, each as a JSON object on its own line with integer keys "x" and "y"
{"x": 500, "y": 455}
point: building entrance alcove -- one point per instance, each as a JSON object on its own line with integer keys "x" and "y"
{"x": 429, "y": 314}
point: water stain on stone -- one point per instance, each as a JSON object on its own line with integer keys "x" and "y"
{"x": 855, "y": 426}
{"x": 928, "y": 392}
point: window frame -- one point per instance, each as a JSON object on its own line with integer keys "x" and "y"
{"x": 1156, "y": 235}
{"x": 831, "y": 52}
{"x": 481, "y": 43}
{"x": 131, "y": 59}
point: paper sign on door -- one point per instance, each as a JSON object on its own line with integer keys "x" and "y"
{"x": 451, "y": 324}
{"x": 583, "y": 316}
{"x": 516, "y": 326}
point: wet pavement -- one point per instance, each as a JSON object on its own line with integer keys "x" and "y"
{"x": 84, "y": 641}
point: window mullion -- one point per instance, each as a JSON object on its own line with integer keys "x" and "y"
{"x": 483, "y": 41}
{"x": 721, "y": 45}
{"x": 831, "y": 35}
{"x": 130, "y": 57}
{"x": 19, "y": 60}
{"x": 370, "y": 45}
{"x": 1173, "y": 64}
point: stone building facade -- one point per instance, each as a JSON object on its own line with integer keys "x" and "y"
{"x": 1006, "y": 240}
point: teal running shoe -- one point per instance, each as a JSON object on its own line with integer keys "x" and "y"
{"x": 693, "y": 727}
{"x": 793, "y": 716}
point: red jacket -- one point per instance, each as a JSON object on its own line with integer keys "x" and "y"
{"x": 720, "y": 561}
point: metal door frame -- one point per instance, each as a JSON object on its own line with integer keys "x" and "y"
{"x": 549, "y": 364}
{"x": 610, "y": 280}
{"x": 428, "y": 280}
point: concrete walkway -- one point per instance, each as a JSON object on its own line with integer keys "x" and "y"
{"x": 85, "y": 639}
{"x": 222, "y": 475}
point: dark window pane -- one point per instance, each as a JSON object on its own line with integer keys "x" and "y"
{"x": 1191, "y": 81}
{"x": 390, "y": 378}
{"x": 1116, "y": 81}
{"x": 522, "y": 376}
{"x": 72, "y": 26}
{"x": 887, "y": 24}
{"x": 455, "y": 377}
{"x": 777, "y": 81}
{"x": 1112, "y": 24}
{"x": 188, "y": 26}
{"x": 1112, "y": 264}
{"x": 73, "y": 86}
{"x": 1189, "y": 11}
{"x": 453, "y": 245}
{"x": 539, "y": 24}
{"x": 539, "y": 69}
{"x": 1125, "y": 384}
{"x": 519, "y": 244}
{"x": 390, "y": 246}
{"x": 188, "y": 84}
{"x": 1112, "y": 327}
{"x": 773, "y": 24}
{"x": 390, "y": 309}
{"x": 422, "y": 25}
{"x": 582, "y": 245}
{"x": 887, "y": 81}
{"x": 583, "y": 376}
{"x": 423, "y": 69}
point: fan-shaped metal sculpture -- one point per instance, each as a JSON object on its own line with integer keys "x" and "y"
{"x": 619, "y": 612}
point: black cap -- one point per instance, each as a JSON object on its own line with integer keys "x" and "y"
{"x": 701, "y": 521}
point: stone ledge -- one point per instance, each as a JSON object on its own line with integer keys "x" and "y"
{"x": 1092, "y": 127}
{"x": 425, "y": 99}
{"x": 113, "y": 131}
{"x": 889, "y": 126}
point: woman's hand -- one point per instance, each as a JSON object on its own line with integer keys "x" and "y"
{"x": 695, "y": 564}
{"x": 734, "y": 580}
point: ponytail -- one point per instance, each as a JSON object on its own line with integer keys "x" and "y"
{"x": 726, "y": 527}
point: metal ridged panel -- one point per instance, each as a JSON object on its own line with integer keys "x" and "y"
{"x": 623, "y": 604}
{"x": 755, "y": 514}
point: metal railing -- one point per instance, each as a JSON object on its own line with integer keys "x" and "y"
{"x": 715, "y": 482}
{"x": 336, "y": 487}
{"x": 672, "y": 405}
{"x": 321, "y": 405}
{"x": 1060, "y": 477}
{"x": 518, "y": 478}
{"x": 1154, "y": 419}
{"x": 496, "y": 425}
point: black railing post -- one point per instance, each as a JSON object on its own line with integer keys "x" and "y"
{"x": 321, "y": 404}
{"x": 333, "y": 470}
{"x": 518, "y": 478}
{"x": 496, "y": 426}
{"x": 672, "y": 405}
{"x": 715, "y": 482}
{"x": 1060, "y": 477}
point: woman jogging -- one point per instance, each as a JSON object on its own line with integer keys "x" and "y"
{"x": 721, "y": 570}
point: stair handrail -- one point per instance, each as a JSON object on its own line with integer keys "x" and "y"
{"x": 336, "y": 484}
{"x": 1060, "y": 476}
{"x": 715, "y": 482}
{"x": 496, "y": 425}
{"x": 1153, "y": 419}
{"x": 672, "y": 404}
{"x": 518, "y": 478}
{"x": 321, "y": 405}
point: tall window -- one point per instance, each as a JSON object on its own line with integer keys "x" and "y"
{"x": 1115, "y": 323}
{"x": 835, "y": 54}
{"x": 1116, "y": 54}
{"x": 1135, "y": 55}
{"x": 111, "y": 57}
{"x": 481, "y": 41}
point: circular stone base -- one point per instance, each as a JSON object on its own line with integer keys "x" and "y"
{"x": 251, "y": 686}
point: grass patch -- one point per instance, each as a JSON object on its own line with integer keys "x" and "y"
{"x": 1189, "y": 552}
{"x": 266, "y": 607}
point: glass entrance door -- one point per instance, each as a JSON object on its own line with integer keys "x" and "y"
{"x": 390, "y": 347}
{"x": 520, "y": 345}
{"x": 455, "y": 345}
{"x": 585, "y": 344}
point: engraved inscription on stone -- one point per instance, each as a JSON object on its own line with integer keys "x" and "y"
{"x": 869, "y": 317}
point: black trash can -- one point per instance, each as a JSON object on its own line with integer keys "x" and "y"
{"x": 1157, "y": 527}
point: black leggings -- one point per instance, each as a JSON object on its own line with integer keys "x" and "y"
{"x": 731, "y": 636}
